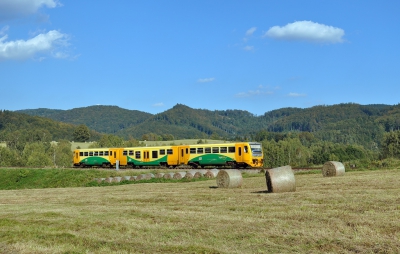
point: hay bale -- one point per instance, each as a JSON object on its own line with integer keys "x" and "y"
{"x": 179, "y": 175}
{"x": 280, "y": 179}
{"x": 149, "y": 176}
{"x": 211, "y": 173}
{"x": 108, "y": 180}
{"x": 230, "y": 178}
{"x": 126, "y": 178}
{"x": 141, "y": 177}
{"x": 200, "y": 173}
{"x": 333, "y": 168}
{"x": 133, "y": 178}
{"x": 100, "y": 180}
{"x": 168, "y": 175}
{"x": 159, "y": 175}
{"x": 117, "y": 179}
{"x": 188, "y": 176}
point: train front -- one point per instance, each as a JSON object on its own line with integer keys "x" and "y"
{"x": 257, "y": 155}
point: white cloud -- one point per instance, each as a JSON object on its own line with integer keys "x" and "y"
{"x": 4, "y": 30}
{"x": 10, "y": 9}
{"x": 307, "y": 31}
{"x": 159, "y": 104}
{"x": 248, "y": 48}
{"x": 251, "y": 31}
{"x": 205, "y": 80}
{"x": 296, "y": 95}
{"x": 44, "y": 42}
{"x": 251, "y": 93}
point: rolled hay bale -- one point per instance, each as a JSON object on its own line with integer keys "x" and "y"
{"x": 169, "y": 175}
{"x": 141, "y": 177}
{"x": 108, "y": 179}
{"x": 159, "y": 175}
{"x": 333, "y": 168}
{"x": 211, "y": 173}
{"x": 189, "y": 176}
{"x": 179, "y": 175}
{"x": 200, "y": 173}
{"x": 117, "y": 179}
{"x": 230, "y": 178}
{"x": 280, "y": 179}
{"x": 149, "y": 176}
{"x": 126, "y": 178}
{"x": 133, "y": 178}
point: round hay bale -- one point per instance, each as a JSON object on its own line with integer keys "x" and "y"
{"x": 199, "y": 173}
{"x": 141, "y": 177}
{"x": 211, "y": 173}
{"x": 126, "y": 178}
{"x": 168, "y": 175}
{"x": 149, "y": 176}
{"x": 188, "y": 176}
{"x": 333, "y": 168}
{"x": 280, "y": 179}
{"x": 230, "y": 178}
{"x": 108, "y": 180}
{"x": 133, "y": 178}
{"x": 159, "y": 175}
{"x": 117, "y": 179}
{"x": 179, "y": 175}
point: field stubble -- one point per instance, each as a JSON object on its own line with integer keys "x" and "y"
{"x": 354, "y": 213}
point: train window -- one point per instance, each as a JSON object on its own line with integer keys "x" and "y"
{"x": 170, "y": 151}
{"x": 240, "y": 151}
{"x": 125, "y": 152}
{"x": 199, "y": 150}
{"x": 187, "y": 150}
{"x": 192, "y": 150}
{"x": 246, "y": 149}
{"x": 231, "y": 149}
{"x": 130, "y": 152}
{"x": 154, "y": 154}
{"x": 86, "y": 154}
{"x": 215, "y": 149}
{"x": 101, "y": 153}
{"x": 106, "y": 153}
{"x": 80, "y": 153}
{"x": 96, "y": 153}
{"x": 90, "y": 153}
{"x": 223, "y": 149}
{"x": 207, "y": 150}
{"x": 162, "y": 151}
{"x": 76, "y": 155}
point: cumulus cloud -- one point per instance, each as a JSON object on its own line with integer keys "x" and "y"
{"x": 205, "y": 80}
{"x": 248, "y": 48}
{"x": 24, "y": 49}
{"x": 296, "y": 95}
{"x": 251, "y": 31}
{"x": 307, "y": 31}
{"x": 10, "y": 9}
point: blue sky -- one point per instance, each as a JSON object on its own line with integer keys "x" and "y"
{"x": 150, "y": 55}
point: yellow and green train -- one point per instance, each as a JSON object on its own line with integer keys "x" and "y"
{"x": 235, "y": 155}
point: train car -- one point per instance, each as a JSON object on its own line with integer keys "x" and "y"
{"x": 99, "y": 157}
{"x": 235, "y": 155}
{"x": 164, "y": 156}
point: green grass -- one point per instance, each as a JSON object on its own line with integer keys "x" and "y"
{"x": 355, "y": 213}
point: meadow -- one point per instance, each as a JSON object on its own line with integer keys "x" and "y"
{"x": 355, "y": 213}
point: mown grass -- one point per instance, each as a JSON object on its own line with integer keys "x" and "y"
{"x": 356, "y": 213}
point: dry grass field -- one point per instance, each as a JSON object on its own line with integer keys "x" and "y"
{"x": 355, "y": 213}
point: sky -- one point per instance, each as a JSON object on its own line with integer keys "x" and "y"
{"x": 150, "y": 55}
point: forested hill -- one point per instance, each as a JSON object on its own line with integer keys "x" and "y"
{"x": 344, "y": 123}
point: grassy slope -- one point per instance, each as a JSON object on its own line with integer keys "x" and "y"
{"x": 353, "y": 213}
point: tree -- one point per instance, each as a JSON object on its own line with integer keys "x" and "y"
{"x": 81, "y": 133}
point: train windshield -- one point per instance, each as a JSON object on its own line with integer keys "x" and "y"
{"x": 256, "y": 149}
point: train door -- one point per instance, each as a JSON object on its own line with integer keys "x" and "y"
{"x": 146, "y": 156}
{"x": 183, "y": 154}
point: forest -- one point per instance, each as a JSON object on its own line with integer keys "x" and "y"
{"x": 358, "y": 135}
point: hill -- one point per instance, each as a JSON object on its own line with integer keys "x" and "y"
{"x": 348, "y": 123}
